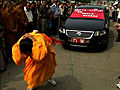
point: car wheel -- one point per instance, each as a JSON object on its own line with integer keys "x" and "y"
{"x": 105, "y": 44}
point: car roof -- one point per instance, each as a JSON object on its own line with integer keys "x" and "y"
{"x": 91, "y": 6}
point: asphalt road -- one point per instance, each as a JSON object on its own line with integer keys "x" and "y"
{"x": 77, "y": 69}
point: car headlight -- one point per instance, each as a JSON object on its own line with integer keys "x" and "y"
{"x": 103, "y": 32}
{"x": 97, "y": 33}
{"x": 62, "y": 30}
{"x": 100, "y": 33}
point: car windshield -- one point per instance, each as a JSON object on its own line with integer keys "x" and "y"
{"x": 88, "y": 13}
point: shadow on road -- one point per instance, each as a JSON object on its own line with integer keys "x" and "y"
{"x": 71, "y": 83}
{"x": 11, "y": 89}
{"x": 11, "y": 77}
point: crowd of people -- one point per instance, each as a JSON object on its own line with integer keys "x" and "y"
{"x": 20, "y": 17}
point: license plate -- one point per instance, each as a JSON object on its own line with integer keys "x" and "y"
{"x": 78, "y": 40}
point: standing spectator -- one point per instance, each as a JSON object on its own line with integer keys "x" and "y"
{"x": 115, "y": 14}
{"x": 50, "y": 21}
{"x": 2, "y": 44}
{"x": 44, "y": 17}
{"x": 35, "y": 15}
{"x": 5, "y": 4}
{"x": 38, "y": 5}
{"x": 29, "y": 15}
{"x": 61, "y": 13}
{"x": 118, "y": 11}
{"x": 56, "y": 11}
{"x": 118, "y": 28}
{"x": 1, "y": 5}
{"x": 65, "y": 12}
{"x": 69, "y": 12}
{"x": 111, "y": 11}
{"x": 21, "y": 19}
{"x": 105, "y": 4}
{"x": 13, "y": 3}
{"x": 11, "y": 26}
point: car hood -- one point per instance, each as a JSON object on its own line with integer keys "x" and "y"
{"x": 84, "y": 24}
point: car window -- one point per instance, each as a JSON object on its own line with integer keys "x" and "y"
{"x": 88, "y": 13}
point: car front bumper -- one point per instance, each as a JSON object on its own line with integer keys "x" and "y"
{"x": 95, "y": 41}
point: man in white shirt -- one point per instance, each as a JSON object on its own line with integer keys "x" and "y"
{"x": 29, "y": 15}
{"x": 61, "y": 13}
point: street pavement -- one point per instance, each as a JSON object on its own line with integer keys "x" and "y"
{"x": 77, "y": 69}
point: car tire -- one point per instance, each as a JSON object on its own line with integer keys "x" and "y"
{"x": 105, "y": 45}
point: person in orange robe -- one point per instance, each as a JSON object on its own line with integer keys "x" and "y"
{"x": 21, "y": 19}
{"x": 36, "y": 50}
{"x": 10, "y": 23}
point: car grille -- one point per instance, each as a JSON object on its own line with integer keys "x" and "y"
{"x": 81, "y": 34}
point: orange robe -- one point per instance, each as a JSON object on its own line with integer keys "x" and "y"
{"x": 41, "y": 68}
{"x": 10, "y": 24}
{"x": 21, "y": 19}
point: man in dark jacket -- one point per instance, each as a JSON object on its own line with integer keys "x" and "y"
{"x": 35, "y": 15}
{"x": 43, "y": 10}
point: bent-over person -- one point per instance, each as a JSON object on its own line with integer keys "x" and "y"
{"x": 36, "y": 51}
